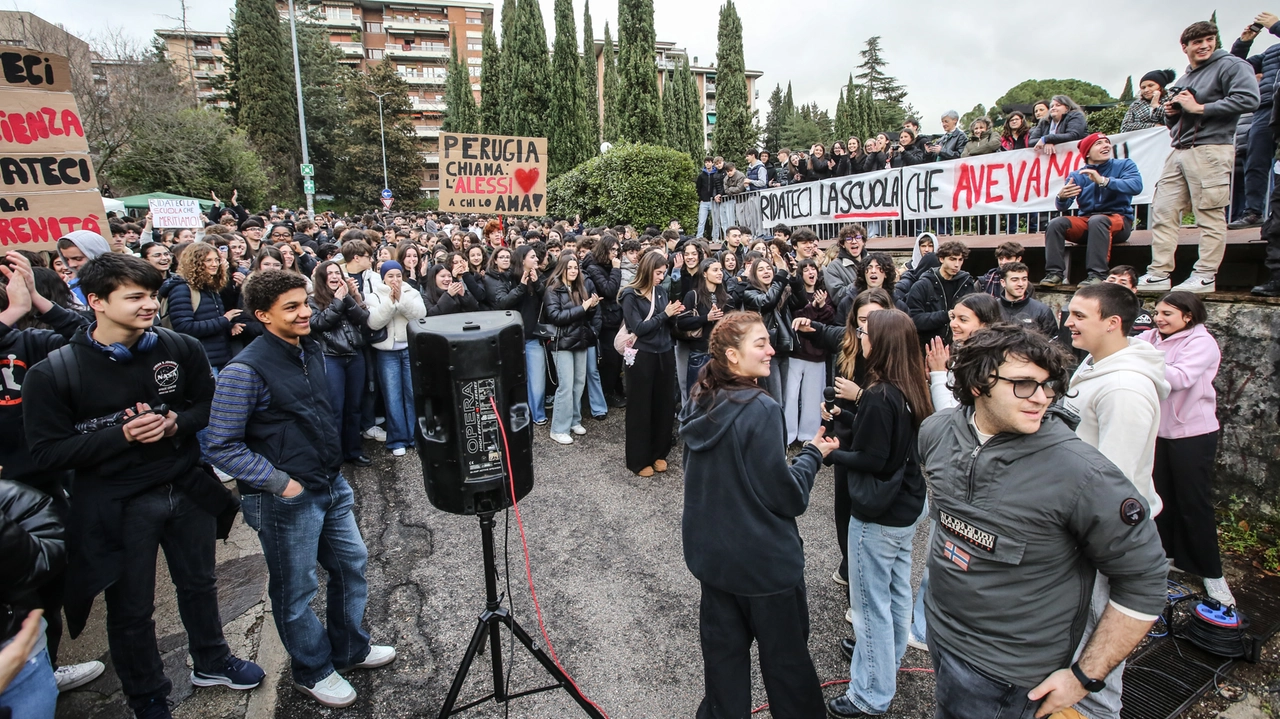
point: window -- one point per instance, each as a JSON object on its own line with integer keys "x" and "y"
{"x": 374, "y": 53}
{"x": 474, "y": 21}
{"x": 373, "y": 27}
{"x": 475, "y": 47}
{"x": 332, "y": 12}
{"x": 474, "y": 60}
{"x": 474, "y": 71}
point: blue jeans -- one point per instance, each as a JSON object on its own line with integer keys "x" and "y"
{"x": 705, "y": 209}
{"x": 346, "y": 386}
{"x": 879, "y": 568}
{"x": 1258, "y": 161}
{"x": 535, "y": 368}
{"x": 33, "y": 694}
{"x": 697, "y": 360}
{"x": 595, "y": 391}
{"x": 919, "y": 628}
{"x": 316, "y": 525}
{"x": 397, "y": 392}
{"x": 571, "y": 376}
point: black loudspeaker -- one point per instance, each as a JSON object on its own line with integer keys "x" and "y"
{"x": 462, "y": 366}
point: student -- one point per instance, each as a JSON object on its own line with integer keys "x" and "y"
{"x": 934, "y": 294}
{"x": 570, "y": 305}
{"x": 75, "y": 249}
{"x": 138, "y": 484}
{"x": 273, "y": 428}
{"x": 445, "y": 295}
{"x": 525, "y": 271}
{"x": 338, "y": 318}
{"x": 1007, "y": 252}
{"x": 1187, "y": 441}
{"x": 765, "y": 293}
{"x": 707, "y": 304}
{"x": 195, "y": 305}
{"x": 741, "y": 498}
{"x": 807, "y": 366}
{"x": 393, "y": 305}
{"x": 888, "y": 499}
{"x": 1018, "y": 306}
{"x": 651, "y": 371}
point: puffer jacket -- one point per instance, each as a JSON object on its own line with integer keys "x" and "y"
{"x": 607, "y": 281}
{"x": 1072, "y": 127}
{"x": 206, "y": 323}
{"x": 769, "y": 303}
{"x": 395, "y": 316}
{"x": 736, "y": 185}
{"x": 1270, "y": 63}
{"x": 503, "y": 291}
{"x": 985, "y": 145}
{"x": 337, "y": 328}
{"x": 577, "y": 327}
{"x": 32, "y": 551}
{"x": 929, "y": 305}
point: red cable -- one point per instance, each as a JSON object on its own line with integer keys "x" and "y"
{"x": 528, "y": 568}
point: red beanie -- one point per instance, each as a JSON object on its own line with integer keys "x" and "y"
{"x": 1087, "y": 143}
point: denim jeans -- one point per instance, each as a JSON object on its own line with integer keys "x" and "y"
{"x": 705, "y": 209}
{"x": 1258, "y": 160}
{"x": 697, "y": 360}
{"x": 163, "y": 517}
{"x": 595, "y": 391}
{"x": 879, "y": 569}
{"x": 919, "y": 627}
{"x": 1105, "y": 704}
{"x": 346, "y": 387}
{"x": 682, "y": 369}
{"x": 963, "y": 692}
{"x": 316, "y": 525}
{"x": 571, "y": 379}
{"x": 535, "y": 369}
{"x": 33, "y": 694}
{"x": 397, "y": 390}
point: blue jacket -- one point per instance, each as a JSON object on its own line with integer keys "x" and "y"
{"x": 1114, "y": 199}
{"x": 1270, "y": 63}
{"x": 206, "y": 323}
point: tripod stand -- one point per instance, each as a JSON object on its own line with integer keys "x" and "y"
{"x": 493, "y": 616}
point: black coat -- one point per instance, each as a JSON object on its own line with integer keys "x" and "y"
{"x": 338, "y": 328}
{"x": 32, "y": 551}
{"x": 447, "y": 304}
{"x": 607, "y": 281}
{"x": 930, "y": 306}
{"x": 1072, "y": 127}
{"x": 503, "y": 291}
{"x": 883, "y": 442}
{"x": 769, "y": 303}
{"x": 1030, "y": 312}
{"x": 577, "y": 327}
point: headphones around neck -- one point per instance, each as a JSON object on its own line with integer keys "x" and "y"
{"x": 120, "y": 353}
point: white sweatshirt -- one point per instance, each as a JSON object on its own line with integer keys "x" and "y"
{"x": 1118, "y": 400}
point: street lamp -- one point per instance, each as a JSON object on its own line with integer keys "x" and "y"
{"x": 382, "y": 130}
{"x": 302, "y": 118}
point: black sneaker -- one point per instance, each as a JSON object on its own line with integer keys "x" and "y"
{"x": 616, "y": 402}
{"x": 156, "y": 708}
{"x": 846, "y": 648}
{"x": 236, "y": 674}
{"x": 1250, "y": 219}
{"x": 1053, "y": 279}
{"x": 842, "y": 708}
{"x": 1269, "y": 289}
{"x": 360, "y": 461}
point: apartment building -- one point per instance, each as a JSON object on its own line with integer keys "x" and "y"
{"x": 199, "y": 58}
{"x": 666, "y": 54}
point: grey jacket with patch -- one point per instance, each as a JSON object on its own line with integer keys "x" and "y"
{"x": 1227, "y": 88}
{"x": 1031, "y": 519}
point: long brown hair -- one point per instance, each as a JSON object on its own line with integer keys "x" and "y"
{"x": 716, "y": 375}
{"x": 895, "y": 359}
{"x": 320, "y": 291}
{"x": 577, "y": 288}
{"x": 848, "y": 360}
{"x": 649, "y": 263}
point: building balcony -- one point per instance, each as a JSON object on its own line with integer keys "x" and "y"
{"x": 427, "y": 130}
{"x": 202, "y": 74}
{"x": 350, "y": 49}
{"x": 203, "y": 53}
{"x": 431, "y": 158}
{"x": 711, "y": 89}
{"x": 710, "y": 108}
{"x": 421, "y": 50}
{"x": 413, "y": 24}
{"x": 420, "y": 105}
{"x": 335, "y": 21}
{"x": 416, "y": 78}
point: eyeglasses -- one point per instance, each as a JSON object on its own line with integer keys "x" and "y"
{"x": 1026, "y": 388}
{"x": 281, "y": 235}
{"x": 860, "y": 331}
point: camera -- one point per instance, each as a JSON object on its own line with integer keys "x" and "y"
{"x": 1173, "y": 92}
{"x": 115, "y": 419}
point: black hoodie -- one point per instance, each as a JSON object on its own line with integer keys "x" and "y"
{"x": 740, "y": 496}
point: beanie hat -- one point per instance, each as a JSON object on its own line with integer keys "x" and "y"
{"x": 1087, "y": 143}
{"x": 388, "y": 266}
{"x": 1159, "y": 77}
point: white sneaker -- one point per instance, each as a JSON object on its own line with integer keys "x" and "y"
{"x": 917, "y": 643}
{"x": 376, "y": 432}
{"x": 835, "y": 577}
{"x": 332, "y": 691}
{"x": 848, "y": 615}
{"x": 578, "y": 429}
{"x": 398, "y": 452}
{"x": 1153, "y": 283}
{"x": 379, "y": 656}
{"x": 74, "y": 676}
{"x": 1218, "y": 589}
{"x": 1198, "y": 284}
{"x": 561, "y": 438}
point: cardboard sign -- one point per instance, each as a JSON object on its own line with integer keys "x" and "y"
{"x": 493, "y": 174}
{"x": 47, "y": 184}
{"x": 855, "y": 198}
{"x": 176, "y": 213}
{"x": 26, "y": 69}
{"x": 35, "y": 222}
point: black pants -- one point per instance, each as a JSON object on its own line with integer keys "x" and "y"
{"x": 650, "y": 408}
{"x": 779, "y": 623}
{"x": 163, "y": 517}
{"x": 1271, "y": 233}
{"x": 369, "y": 400}
{"x": 1099, "y": 235}
{"x": 610, "y": 364}
{"x": 963, "y": 692}
{"x": 1183, "y": 475}
{"x": 844, "y": 507}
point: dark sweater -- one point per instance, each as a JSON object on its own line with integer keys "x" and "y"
{"x": 653, "y": 334}
{"x": 741, "y": 497}
{"x": 883, "y": 441}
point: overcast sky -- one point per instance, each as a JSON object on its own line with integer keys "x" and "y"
{"x": 950, "y": 55}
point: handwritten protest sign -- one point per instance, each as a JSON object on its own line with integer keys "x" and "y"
{"x": 493, "y": 174}
{"x": 870, "y": 196}
{"x": 47, "y": 184}
{"x": 176, "y": 213}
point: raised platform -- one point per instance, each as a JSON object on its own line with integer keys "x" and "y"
{"x": 1139, "y": 238}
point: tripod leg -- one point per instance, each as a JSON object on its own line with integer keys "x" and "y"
{"x": 477, "y": 641}
{"x": 550, "y": 666}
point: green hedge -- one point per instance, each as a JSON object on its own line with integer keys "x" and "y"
{"x": 1107, "y": 121}
{"x": 634, "y": 185}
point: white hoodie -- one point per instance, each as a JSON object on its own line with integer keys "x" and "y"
{"x": 1118, "y": 401}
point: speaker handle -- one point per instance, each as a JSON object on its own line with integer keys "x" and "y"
{"x": 431, "y": 432}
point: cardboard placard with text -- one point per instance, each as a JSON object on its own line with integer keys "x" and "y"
{"x": 493, "y": 174}
{"x": 36, "y": 221}
{"x": 176, "y": 213}
{"x": 26, "y": 69}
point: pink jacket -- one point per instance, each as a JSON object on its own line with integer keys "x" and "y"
{"x": 1191, "y": 362}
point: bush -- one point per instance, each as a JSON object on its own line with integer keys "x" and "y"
{"x": 1107, "y": 121}
{"x": 629, "y": 185}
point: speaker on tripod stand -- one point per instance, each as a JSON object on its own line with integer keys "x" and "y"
{"x": 476, "y": 446}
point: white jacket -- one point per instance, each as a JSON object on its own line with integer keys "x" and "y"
{"x": 1118, "y": 401}
{"x": 395, "y": 316}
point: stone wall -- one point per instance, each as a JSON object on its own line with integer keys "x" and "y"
{"x": 1248, "y": 385}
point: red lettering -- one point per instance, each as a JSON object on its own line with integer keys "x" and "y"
{"x": 1063, "y": 168}
{"x": 20, "y": 229}
{"x": 4, "y": 127}
{"x": 90, "y": 223}
{"x": 990, "y": 183}
{"x": 71, "y": 121}
{"x": 20, "y": 134}
{"x": 966, "y": 182}
{"x": 1015, "y": 185}
{"x": 70, "y": 222}
{"x": 39, "y": 130}
{"x": 6, "y": 234}
{"x": 1033, "y": 181}
{"x": 40, "y": 230}
{"x": 52, "y": 122}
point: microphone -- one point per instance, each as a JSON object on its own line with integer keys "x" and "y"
{"x": 829, "y": 399}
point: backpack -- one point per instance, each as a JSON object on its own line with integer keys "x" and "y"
{"x": 66, "y": 376}
{"x": 165, "y": 321}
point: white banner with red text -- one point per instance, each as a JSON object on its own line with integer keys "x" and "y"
{"x": 999, "y": 183}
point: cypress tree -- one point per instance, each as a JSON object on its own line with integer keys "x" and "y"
{"x": 886, "y": 90}
{"x": 789, "y": 102}
{"x": 1126, "y": 96}
{"x": 773, "y": 121}
{"x": 610, "y": 124}
{"x": 735, "y": 132}
{"x": 875, "y": 118}
{"x": 673, "y": 111}
{"x": 460, "y": 114}
{"x": 509, "y": 17}
{"x": 491, "y": 85}
{"x": 841, "y": 125}
{"x": 567, "y": 141}
{"x": 526, "y": 68}
{"x": 590, "y": 86}
{"x": 266, "y": 106}
{"x": 695, "y": 136}
{"x": 639, "y": 104}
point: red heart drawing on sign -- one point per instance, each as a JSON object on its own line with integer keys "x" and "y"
{"x": 527, "y": 178}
